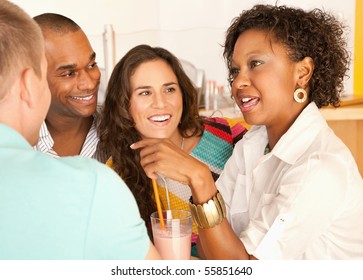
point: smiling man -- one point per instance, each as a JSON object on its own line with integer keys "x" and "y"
{"x": 73, "y": 77}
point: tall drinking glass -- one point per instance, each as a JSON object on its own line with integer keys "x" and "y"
{"x": 173, "y": 241}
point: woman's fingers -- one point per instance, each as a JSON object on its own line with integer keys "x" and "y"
{"x": 161, "y": 156}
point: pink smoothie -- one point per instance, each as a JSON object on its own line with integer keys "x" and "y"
{"x": 176, "y": 248}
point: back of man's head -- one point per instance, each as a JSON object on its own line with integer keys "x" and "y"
{"x": 56, "y": 23}
{"x": 21, "y": 44}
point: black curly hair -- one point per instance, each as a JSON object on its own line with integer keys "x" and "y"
{"x": 316, "y": 34}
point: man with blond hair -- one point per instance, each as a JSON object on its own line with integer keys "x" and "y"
{"x": 66, "y": 208}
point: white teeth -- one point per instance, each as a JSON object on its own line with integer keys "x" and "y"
{"x": 160, "y": 118}
{"x": 82, "y": 98}
{"x": 246, "y": 99}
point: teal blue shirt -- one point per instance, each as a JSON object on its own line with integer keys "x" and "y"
{"x": 66, "y": 208}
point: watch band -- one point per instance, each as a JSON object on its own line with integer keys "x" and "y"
{"x": 209, "y": 214}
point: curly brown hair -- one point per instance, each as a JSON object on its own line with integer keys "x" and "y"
{"x": 316, "y": 34}
{"x": 117, "y": 128}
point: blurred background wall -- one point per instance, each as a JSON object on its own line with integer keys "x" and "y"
{"x": 193, "y": 30}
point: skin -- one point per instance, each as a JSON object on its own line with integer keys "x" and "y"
{"x": 37, "y": 98}
{"x": 43, "y": 98}
{"x": 73, "y": 78}
{"x": 29, "y": 97}
{"x": 156, "y": 102}
{"x": 265, "y": 79}
{"x": 263, "y": 72}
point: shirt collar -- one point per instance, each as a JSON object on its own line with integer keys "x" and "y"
{"x": 300, "y": 135}
{"x": 46, "y": 141}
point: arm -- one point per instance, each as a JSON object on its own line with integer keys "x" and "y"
{"x": 152, "y": 253}
{"x": 161, "y": 156}
{"x": 220, "y": 241}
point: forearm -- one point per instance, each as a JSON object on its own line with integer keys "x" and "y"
{"x": 219, "y": 241}
{"x": 161, "y": 157}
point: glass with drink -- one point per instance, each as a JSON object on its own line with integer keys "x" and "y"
{"x": 173, "y": 237}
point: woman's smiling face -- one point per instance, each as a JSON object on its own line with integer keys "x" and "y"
{"x": 156, "y": 102}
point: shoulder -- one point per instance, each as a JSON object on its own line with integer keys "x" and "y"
{"x": 85, "y": 165}
{"x": 99, "y": 178}
{"x": 122, "y": 235}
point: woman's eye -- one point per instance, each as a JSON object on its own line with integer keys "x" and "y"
{"x": 170, "y": 89}
{"x": 255, "y": 63}
{"x": 144, "y": 93}
{"x": 234, "y": 72}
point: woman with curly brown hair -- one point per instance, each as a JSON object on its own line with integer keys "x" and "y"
{"x": 292, "y": 189}
{"x": 150, "y": 96}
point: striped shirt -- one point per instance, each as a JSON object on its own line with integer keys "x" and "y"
{"x": 46, "y": 142}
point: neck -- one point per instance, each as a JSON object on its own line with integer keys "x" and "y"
{"x": 70, "y": 125}
{"x": 182, "y": 144}
{"x": 70, "y": 140}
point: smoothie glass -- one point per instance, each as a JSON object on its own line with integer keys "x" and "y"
{"x": 174, "y": 240}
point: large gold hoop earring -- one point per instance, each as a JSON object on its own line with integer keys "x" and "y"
{"x": 300, "y": 95}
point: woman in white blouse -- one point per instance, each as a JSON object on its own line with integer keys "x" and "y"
{"x": 292, "y": 189}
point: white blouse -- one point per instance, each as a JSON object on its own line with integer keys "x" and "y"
{"x": 303, "y": 200}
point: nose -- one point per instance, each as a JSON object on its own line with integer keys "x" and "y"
{"x": 241, "y": 80}
{"x": 87, "y": 80}
{"x": 158, "y": 100}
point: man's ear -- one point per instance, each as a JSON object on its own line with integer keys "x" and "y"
{"x": 305, "y": 71}
{"x": 27, "y": 86}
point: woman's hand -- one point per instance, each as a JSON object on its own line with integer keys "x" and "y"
{"x": 161, "y": 156}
